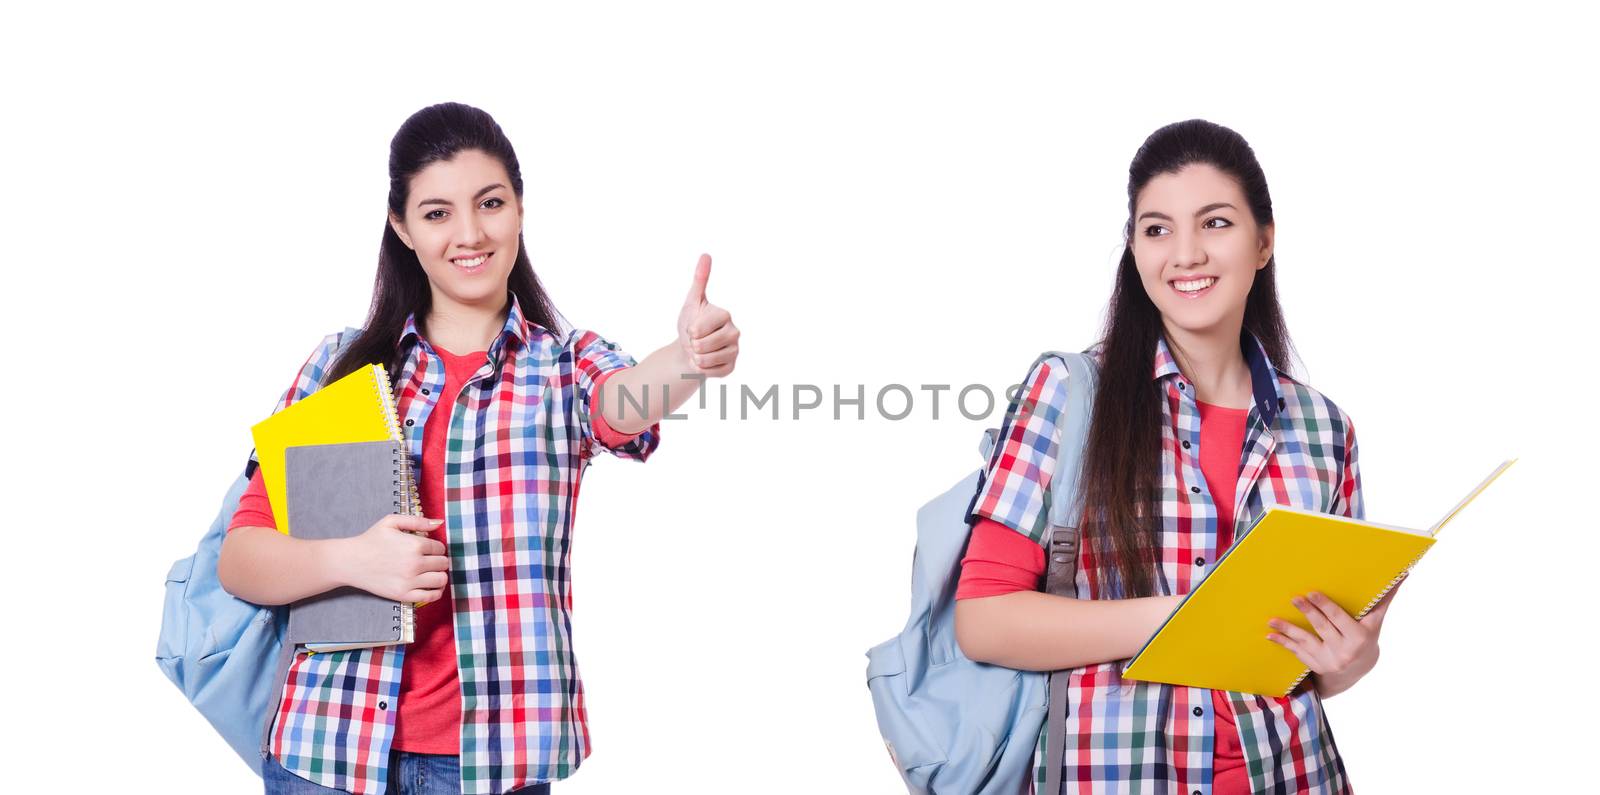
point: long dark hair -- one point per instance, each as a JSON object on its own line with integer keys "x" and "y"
{"x": 1121, "y": 480}
{"x": 435, "y": 133}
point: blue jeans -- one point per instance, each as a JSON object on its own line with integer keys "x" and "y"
{"x": 409, "y": 774}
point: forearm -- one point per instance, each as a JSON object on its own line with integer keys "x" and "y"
{"x": 1035, "y": 631}
{"x": 264, "y": 566}
{"x": 636, "y": 398}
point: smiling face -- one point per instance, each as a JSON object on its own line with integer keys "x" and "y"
{"x": 463, "y": 219}
{"x": 1197, "y": 249}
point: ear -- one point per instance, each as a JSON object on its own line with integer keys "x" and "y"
{"x": 1266, "y": 245}
{"x": 399, "y": 228}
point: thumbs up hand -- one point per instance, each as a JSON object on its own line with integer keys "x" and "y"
{"x": 706, "y": 332}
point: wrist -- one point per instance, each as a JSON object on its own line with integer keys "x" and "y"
{"x": 331, "y": 556}
{"x": 1330, "y": 685}
{"x": 1164, "y": 607}
{"x": 683, "y": 357}
{"x": 1321, "y": 684}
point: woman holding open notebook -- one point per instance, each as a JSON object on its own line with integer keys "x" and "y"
{"x": 502, "y": 408}
{"x": 1198, "y": 427}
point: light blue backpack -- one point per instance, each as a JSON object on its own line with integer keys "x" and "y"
{"x": 954, "y": 726}
{"x": 226, "y": 655}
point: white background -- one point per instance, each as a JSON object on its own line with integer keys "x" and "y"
{"x": 892, "y": 194}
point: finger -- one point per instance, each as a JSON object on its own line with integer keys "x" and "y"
{"x": 1341, "y": 620}
{"x": 697, "y": 289}
{"x": 724, "y": 336}
{"x": 726, "y": 356}
{"x": 435, "y": 563}
{"x": 710, "y": 319}
{"x": 1306, "y": 646}
{"x": 1294, "y": 632}
{"x": 411, "y": 523}
{"x": 1319, "y": 621}
{"x": 433, "y": 546}
{"x": 1294, "y": 648}
{"x": 717, "y": 372}
{"x": 421, "y": 596}
{"x": 432, "y": 580}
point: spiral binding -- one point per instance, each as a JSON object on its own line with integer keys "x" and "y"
{"x": 412, "y": 505}
{"x": 1365, "y": 610}
{"x": 406, "y": 499}
{"x": 391, "y": 414}
{"x": 1391, "y": 585}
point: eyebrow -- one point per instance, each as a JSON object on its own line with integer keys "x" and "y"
{"x": 1197, "y": 213}
{"x": 446, "y": 202}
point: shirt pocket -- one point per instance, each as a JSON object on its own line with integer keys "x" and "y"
{"x": 520, "y": 411}
{"x": 1298, "y": 477}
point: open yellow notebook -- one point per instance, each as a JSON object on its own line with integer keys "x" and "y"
{"x": 1217, "y": 637}
{"x": 359, "y": 407}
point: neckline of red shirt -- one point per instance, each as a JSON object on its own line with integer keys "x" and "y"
{"x": 448, "y": 355}
{"x": 1244, "y": 410}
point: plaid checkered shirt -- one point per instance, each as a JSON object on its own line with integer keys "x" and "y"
{"x": 1129, "y": 736}
{"x": 519, "y": 439}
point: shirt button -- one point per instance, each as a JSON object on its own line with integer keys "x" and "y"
{"x": 1195, "y": 489}
{"x": 383, "y": 705}
{"x": 410, "y": 423}
{"x": 1180, "y": 384}
{"x": 1186, "y": 445}
{"x": 1198, "y": 712}
{"x": 1280, "y": 403}
{"x": 425, "y": 391}
{"x": 1199, "y": 561}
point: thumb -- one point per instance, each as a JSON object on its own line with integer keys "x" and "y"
{"x": 1382, "y": 606}
{"x": 697, "y": 290}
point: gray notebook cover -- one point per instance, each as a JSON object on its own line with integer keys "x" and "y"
{"x": 338, "y": 491}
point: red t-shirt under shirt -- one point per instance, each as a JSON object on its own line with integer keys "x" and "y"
{"x": 429, "y": 717}
{"x": 1000, "y": 560}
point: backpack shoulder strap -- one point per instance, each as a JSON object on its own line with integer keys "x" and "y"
{"x": 1065, "y": 501}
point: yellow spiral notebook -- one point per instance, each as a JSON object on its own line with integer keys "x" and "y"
{"x": 359, "y": 407}
{"x": 1217, "y": 637}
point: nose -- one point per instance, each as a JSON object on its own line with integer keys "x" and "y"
{"x": 469, "y": 231}
{"x": 1186, "y": 250}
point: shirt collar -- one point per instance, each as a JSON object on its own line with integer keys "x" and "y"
{"x": 516, "y": 328}
{"x": 1266, "y": 395}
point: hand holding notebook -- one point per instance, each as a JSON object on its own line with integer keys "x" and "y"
{"x": 394, "y": 558}
{"x": 1216, "y": 638}
{"x": 334, "y": 464}
{"x": 1340, "y": 648}
{"x": 344, "y": 492}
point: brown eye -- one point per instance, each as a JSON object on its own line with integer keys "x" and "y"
{"x": 492, "y": 202}
{"x": 1154, "y": 230}
{"x": 1225, "y": 223}
{"x": 433, "y": 215}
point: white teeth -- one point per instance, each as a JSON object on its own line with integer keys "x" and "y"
{"x": 472, "y": 263}
{"x": 1195, "y": 285}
